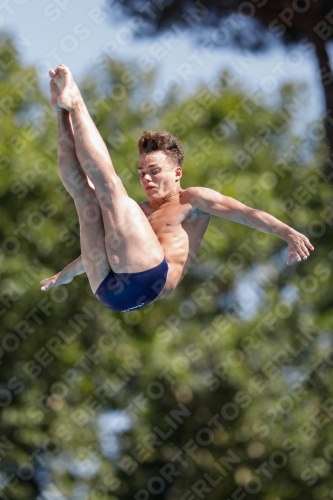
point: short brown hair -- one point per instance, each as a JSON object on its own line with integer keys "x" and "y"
{"x": 161, "y": 141}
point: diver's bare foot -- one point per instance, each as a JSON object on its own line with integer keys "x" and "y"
{"x": 69, "y": 94}
{"x": 54, "y": 95}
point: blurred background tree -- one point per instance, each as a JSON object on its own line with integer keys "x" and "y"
{"x": 222, "y": 389}
{"x": 254, "y": 25}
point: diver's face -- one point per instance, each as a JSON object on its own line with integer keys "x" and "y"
{"x": 159, "y": 176}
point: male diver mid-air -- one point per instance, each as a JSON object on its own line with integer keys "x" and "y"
{"x": 137, "y": 253}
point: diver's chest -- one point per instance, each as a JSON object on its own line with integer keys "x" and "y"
{"x": 173, "y": 216}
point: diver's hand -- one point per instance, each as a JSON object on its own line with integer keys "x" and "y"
{"x": 56, "y": 280}
{"x": 298, "y": 245}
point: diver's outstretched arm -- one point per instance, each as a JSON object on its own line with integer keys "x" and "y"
{"x": 214, "y": 203}
{"x": 65, "y": 276}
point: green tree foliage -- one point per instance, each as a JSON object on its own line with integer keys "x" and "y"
{"x": 227, "y": 394}
{"x": 247, "y": 25}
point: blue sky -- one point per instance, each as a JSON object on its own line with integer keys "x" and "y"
{"x": 77, "y": 33}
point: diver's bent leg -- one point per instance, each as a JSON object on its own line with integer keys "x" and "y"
{"x": 92, "y": 235}
{"x": 132, "y": 245}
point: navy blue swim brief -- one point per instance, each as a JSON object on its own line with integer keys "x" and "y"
{"x": 124, "y": 292}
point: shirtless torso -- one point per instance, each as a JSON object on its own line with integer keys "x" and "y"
{"x": 180, "y": 229}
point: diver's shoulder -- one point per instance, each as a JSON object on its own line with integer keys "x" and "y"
{"x": 192, "y": 195}
{"x": 191, "y": 192}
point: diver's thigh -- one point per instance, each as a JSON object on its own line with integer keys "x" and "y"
{"x": 131, "y": 244}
